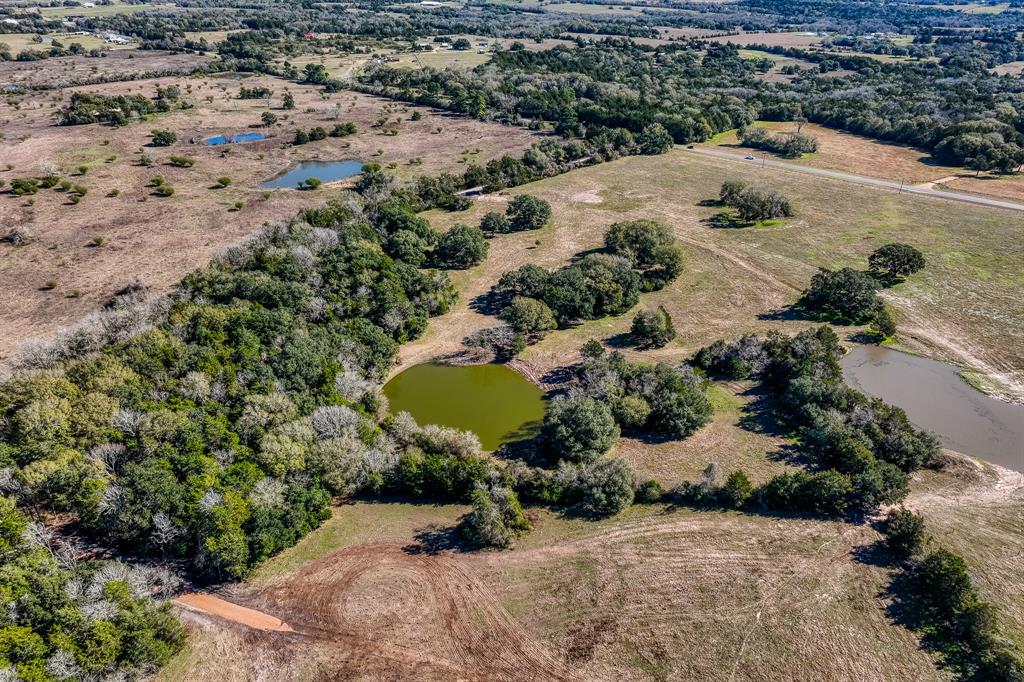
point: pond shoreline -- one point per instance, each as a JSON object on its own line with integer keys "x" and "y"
{"x": 938, "y": 399}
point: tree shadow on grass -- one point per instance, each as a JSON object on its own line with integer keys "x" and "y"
{"x": 724, "y": 220}
{"x": 488, "y": 303}
{"x": 438, "y": 539}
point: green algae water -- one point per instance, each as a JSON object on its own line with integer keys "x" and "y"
{"x": 497, "y": 403}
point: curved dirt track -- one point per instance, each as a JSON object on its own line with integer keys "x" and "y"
{"x": 382, "y": 606}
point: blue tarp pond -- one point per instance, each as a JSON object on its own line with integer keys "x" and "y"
{"x": 235, "y": 139}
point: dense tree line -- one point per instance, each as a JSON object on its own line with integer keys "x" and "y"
{"x": 936, "y": 595}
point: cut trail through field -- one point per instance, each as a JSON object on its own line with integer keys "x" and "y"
{"x": 215, "y": 606}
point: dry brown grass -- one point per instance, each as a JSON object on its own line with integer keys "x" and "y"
{"x": 771, "y": 39}
{"x": 160, "y": 239}
{"x": 855, "y": 154}
{"x": 119, "y": 63}
{"x": 651, "y": 594}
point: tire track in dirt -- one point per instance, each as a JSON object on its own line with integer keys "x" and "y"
{"x": 366, "y": 597}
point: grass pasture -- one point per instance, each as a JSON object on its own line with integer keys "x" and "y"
{"x": 962, "y": 308}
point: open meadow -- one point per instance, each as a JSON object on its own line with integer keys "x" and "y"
{"x": 382, "y": 591}
{"x": 962, "y": 308}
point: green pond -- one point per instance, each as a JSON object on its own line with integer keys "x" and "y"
{"x": 497, "y": 403}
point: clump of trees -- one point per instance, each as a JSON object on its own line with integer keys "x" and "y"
{"x": 789, "y": 145}
{"x": 77, "y": 620}
{"x": 845, "y": 295}
{"x": 753, "y": 204}
{"x": 523, "y": 212}
{"x": 639, "y": 256}
{"x": 94, "y": 107}
{"x": 643, "y": 398}
{"x": 936, "y": 593}
{"x": 255, "y": 92}
{"x": 866, "y": 446}
{"x": 460, "y": 247}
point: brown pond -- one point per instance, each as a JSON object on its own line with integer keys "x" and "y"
{"x": 936, "y": 399}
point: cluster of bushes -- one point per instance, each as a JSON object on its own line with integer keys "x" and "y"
{"x": 643, "y": 398}
{"x": 64, "y": 619}
{"x": 255, "y": 92}
{"x": 639, "y": 255}
{"x": 866, "y": 447}
{"x": 93, "y": 107}
{"x": 754, "y": 204}
{"x": 318, "y": 133}
{"x": 937, "y": 596}
{"x": 788, "y": 145}
{"x": 523, "y": 212}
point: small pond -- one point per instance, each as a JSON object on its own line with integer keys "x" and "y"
{"x": 324, "y": 171}
{"x": 936, "y": 399}
{"x": 497, "y": 403}
{"x": 235, "y": 139}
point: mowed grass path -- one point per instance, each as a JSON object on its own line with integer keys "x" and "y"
{"x": 964, "y": 307}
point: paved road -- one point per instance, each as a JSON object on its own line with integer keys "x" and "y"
{"x": 861, "y": 179}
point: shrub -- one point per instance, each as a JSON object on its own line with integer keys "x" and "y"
{"x": 579, "y": 429}
{"x": 343, "y": 129}
{"x": 654, "y": 139}
{"x": 606, "y": 486}
{"x": 846, "y": 295}
{"x": 904, "y": 533}
{"x": 460, "y": 247}
{"x": 528, "y": 316}
{"x": 268, "y": 118}
{"x": 24, "y": 186}
{"x": 310, "y": 183}
{"x": 164, "y": 191}
{"x": 525, "y": 212}
{"x": 649, "y": 492}
{"x": 182, "y": 161}
{"x": 737, "y": 490}
{"x": 496, "y": 517}
{"x": 882, "y": 323}
{"x": 495, "y": 223}
{"x": 896, "y": 260}
{"x": 164, "y": 138}
{"x": 223, "y": 181}
{"x": 652, "y": 328}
